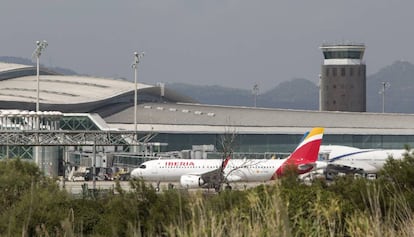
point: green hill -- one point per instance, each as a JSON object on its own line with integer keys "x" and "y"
{"x": 399, "y": 97}
{"x": 304, "y": 94}
{"x": 294, "y": 94}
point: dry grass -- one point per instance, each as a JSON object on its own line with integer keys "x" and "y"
{"x": 268, "y": 217}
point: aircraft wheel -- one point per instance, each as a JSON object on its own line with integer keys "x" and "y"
{"x": 157, "y": 189}
{"x": 170, "y": 186}
{"x": 228, "y": 187}
{"x": 217, "y": 188}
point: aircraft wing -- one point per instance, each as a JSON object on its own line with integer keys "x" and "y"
{"x": 210, "y": 179}
{"x": 351, "y": 167}
{"x": 213, "y": 177}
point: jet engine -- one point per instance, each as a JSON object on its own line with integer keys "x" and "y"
{"x": 304, "y": 168}
{"x": 191, "y": 181}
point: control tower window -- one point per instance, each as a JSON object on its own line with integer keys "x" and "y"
{"x": 343, "y": 54}
{"x": 334, "y": 72}
{"x": 354, "y": 54}
{"x": 351, "y": 71}
{"x": 327, "y": 72}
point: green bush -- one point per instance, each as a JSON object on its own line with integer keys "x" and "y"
{"x": 32, "y": 205}
{"x": 16, "y": 179}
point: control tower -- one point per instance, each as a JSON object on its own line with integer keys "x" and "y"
{"x": 343, "y": 78}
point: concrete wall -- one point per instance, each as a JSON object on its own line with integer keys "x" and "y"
{"x": 343, "y": 88}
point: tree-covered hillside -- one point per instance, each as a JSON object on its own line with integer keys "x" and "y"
{"x": 399, "y": 96}
{"x": 294, "y": 94}
{"x": 304, "y": 94}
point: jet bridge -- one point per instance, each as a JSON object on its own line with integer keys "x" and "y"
{"x": 45, "y": 137}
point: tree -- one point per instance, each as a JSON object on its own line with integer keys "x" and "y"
{"x": 16, "y": 179}
{"x": 217, "y": 177}
{"x": 30, "y": 202}
{"x": 398, "y": 175}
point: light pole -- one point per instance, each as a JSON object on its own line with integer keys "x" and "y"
{"x": 255, "y": 93}
{"x": 40, "y": 46}
{"x": 137, "y": 58}
{"x": 385, "y": 86}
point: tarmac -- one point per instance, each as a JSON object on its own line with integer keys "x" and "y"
{"x": 78, "y": 187}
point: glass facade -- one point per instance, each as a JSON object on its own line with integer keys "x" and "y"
{"x": 281, "y": 142}
{"x": 66, "y": 123}
{"x": 260, "y": 145}
{"x": 22, "y": 152}
{"x": 247, "y": 143}
{"x": 77, "y": 123}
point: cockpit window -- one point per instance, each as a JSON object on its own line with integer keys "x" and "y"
{"x": 142, "y": 166}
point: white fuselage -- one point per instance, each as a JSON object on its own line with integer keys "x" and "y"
{"x": 237, "y": 170}
{"x": 368, "y": 160}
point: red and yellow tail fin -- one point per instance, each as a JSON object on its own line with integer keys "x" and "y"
{"x": 225, "y": 162}
{"x": 305, "y": 155}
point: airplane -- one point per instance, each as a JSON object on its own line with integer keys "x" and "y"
{"x": 337, "y": 159}
{"x": 212, "y": 173}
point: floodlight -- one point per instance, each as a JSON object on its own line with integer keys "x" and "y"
{"x": 137, "y": 57}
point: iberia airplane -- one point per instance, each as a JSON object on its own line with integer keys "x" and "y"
{"x": 211, "y": 173}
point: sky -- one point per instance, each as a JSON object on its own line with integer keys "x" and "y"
{"x": 231, "y": 43}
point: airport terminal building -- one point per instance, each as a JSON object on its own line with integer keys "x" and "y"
{"x": 178, "y": 122}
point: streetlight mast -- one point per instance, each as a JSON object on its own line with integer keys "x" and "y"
{"x": 137, "y": 58}
{"x": 385, "y": 86}
{"x": 40, "y": 46}
{"x": 255, "y": 94}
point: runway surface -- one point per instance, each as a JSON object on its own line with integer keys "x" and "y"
{"x": 78, "y": 186}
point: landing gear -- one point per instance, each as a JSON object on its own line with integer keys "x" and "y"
{"x": 157, "y": 189}
{"x": 170, "y": 186}
{"x": 217, "y": 188}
